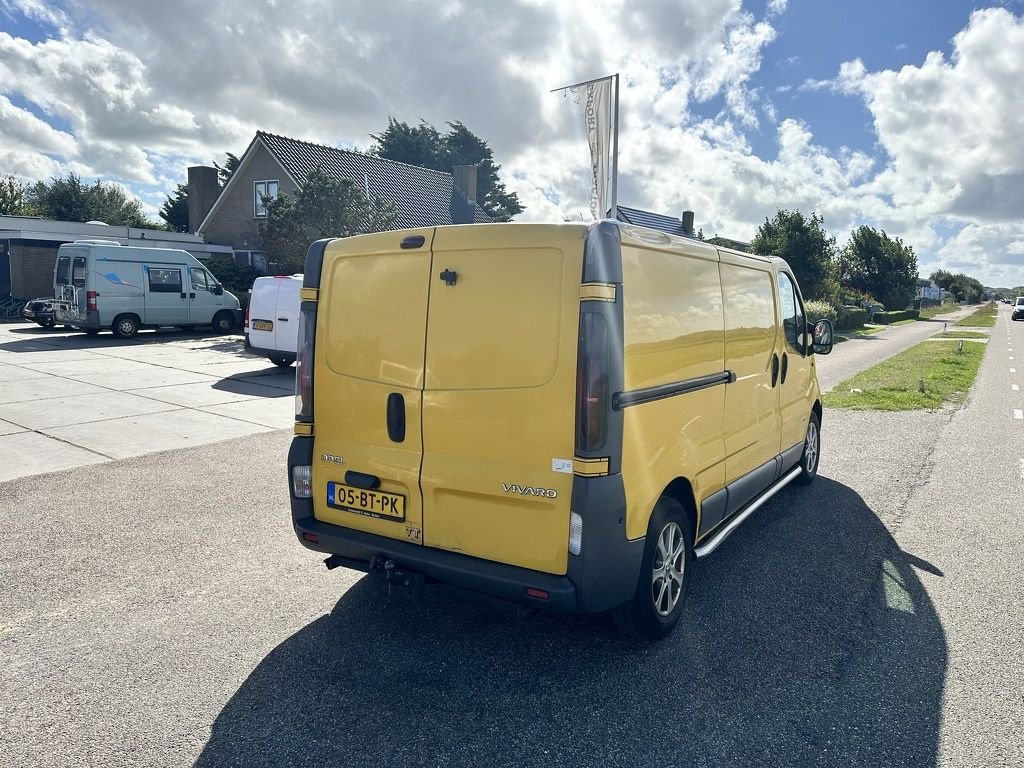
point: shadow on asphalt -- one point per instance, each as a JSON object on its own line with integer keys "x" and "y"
{"x": 37, "y": 339}
{"x": 807, "y": 640}
{"x": 272, "y": 382}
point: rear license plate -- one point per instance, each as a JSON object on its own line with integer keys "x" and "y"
{"x": 389, "y": 506}
{"x": 262, "y": 325}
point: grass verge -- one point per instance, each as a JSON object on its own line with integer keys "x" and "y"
{"x": 942, "y": 309}
{"x": 981, "y": 318}
{"x": 961, "y": 335}
{"x": 895, "y": 384}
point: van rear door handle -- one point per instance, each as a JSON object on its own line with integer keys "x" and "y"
{"x": 785, "y": 366}
{"x": 775, "y": 370}
{"x": 283, "y": 319}
{"x": 396, "y": 417}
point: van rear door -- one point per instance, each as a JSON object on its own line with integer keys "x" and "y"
{"x": 499, "y": 392}
{"x": 368, "y": 385}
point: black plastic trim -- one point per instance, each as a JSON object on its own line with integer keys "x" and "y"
{"x": 300, "y": 453}
{"x": 746, "y": 488}
{"x": 607, "y": 569}
{"x": 712, "y": 511}
{"x": 506, "y": 582}
{"x": 791, "y": 457}
{"x": 622, "y": 400}
{"x": 314, "y": 263}
{"x": 602, "y": 263}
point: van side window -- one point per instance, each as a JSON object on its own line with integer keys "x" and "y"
{"x": 163, "y": 280}
{"x": 78, "y": 272}
{"x": 63, "y": 270}
{"x": 199, "y": 281}
{"x": 793, "y": 321}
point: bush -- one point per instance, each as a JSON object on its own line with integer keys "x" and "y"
{"x": 820, "y": 310}
{"x": 851, "y": 318}
{"x": 885, "y": 318}
{"x": 233, "y": 276}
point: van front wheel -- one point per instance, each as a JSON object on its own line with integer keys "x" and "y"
{"x": 222, "y": 322}
{"x": 812, "y": 451}
{"x": 657, "y": 603}
{"x": 125, "y": 327}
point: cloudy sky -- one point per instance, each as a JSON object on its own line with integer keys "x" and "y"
{"x": 905, "y": 115}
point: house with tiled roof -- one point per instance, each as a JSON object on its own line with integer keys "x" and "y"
{"x": 271, "y": 164}
{"x": 682, "y": 226}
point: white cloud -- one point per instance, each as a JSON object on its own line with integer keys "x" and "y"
{"x": 138, "y": 91}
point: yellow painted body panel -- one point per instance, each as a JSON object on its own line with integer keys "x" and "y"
{"x": 752, "y": 419}
{"x": 672, "y": 332}
{"x": 500, "y": 392}
{"x": 371, "y": 324}
{"x": 800, "y": 389}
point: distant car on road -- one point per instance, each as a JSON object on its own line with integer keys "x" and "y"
{"x": 1018, "y": 308}
{"x": 39, "y": 311}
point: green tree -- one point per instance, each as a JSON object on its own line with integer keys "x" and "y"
{"x": 225, "y": 172}
{"x": 68, "y": 199}
{"x": 805, "y": 245}
{"x": 424, "y": 146}
{"x": 13, "y": 197}
{"x": 174, "y": 211}
{"x": 322, "y": 207}
{"x": 880, "y": 265}
{"x": 961, "y": 286}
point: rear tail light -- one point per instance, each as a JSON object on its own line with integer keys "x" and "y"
{"x": 247, "y": 318}
{"x": 304, "y": 363}
{"x": 302, "y": 481}
{"x": 592, "y": 383}
{"x": 90, "y": 300}
{"x": 575, "y": 533}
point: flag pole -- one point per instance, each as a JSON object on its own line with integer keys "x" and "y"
{"x": 615, "y": 153}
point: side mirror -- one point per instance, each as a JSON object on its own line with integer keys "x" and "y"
{"x": 822, "y": 337}
{"x": 217, "y": 290}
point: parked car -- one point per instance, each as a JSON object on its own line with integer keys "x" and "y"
{"x": 39, "y": 311}
{"x": 1018, "y": 309}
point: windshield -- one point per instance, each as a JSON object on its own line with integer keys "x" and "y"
{"x": 1020, "y": 300}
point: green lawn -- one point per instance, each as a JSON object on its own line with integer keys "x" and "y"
{"x": 961, "y": 335}
{"x": 982, "y": 318}
{"x": 942, "y": 309}
{"x": 894, "y": 385}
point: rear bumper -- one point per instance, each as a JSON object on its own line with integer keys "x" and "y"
{"x": 602, "y": 577}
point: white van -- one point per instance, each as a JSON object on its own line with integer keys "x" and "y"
{"x": 101, "y": 284}
{"x": 272, "y": 319}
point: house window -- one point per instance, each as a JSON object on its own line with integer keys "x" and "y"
{"x": 262, "y": 190}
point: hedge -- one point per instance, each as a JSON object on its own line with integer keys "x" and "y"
{"x": 820, "y": 310}
{"x": 851, "y": 318}
{"x": 885, "y": 318}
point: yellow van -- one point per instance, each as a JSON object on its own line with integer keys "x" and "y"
{"x": 561, "y": 416}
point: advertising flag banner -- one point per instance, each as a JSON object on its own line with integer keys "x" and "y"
{"x": 595, "y": 98}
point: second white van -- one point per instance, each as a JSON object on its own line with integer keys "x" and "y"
{"x": 272, "y": 319}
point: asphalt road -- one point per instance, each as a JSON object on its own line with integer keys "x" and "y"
{"x": 158, "y": 611}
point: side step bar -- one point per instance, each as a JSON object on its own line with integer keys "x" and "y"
{"x": 706, "y": 549}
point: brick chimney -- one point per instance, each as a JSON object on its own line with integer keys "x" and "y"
{"x": 464, "y": 210}
{"x": 203, "y": 190}
{"x": 687, "y": 222}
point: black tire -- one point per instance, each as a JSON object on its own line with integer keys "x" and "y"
{"x": 125, "y": 326}
{"x": 223, "y": 322}
{"x": 811, "y": 456}
{"x": 657, "y": 603}
{"x": 281, "y": 360}
{"x": 46, "y": 323}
